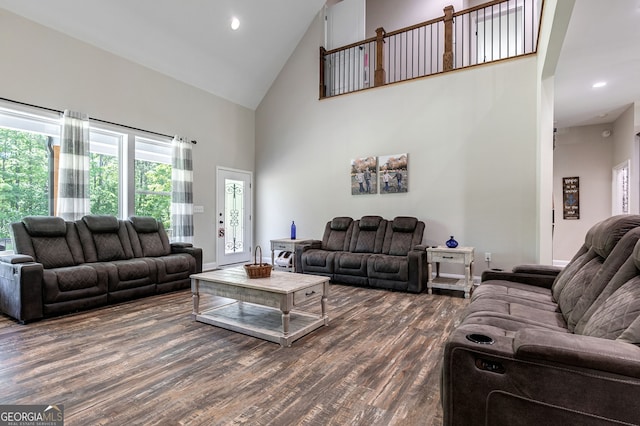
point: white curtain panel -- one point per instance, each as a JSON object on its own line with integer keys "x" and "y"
{"x": 73, "y": 170}
{"x": 182, "y": 191}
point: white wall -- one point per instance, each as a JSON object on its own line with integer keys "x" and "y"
{"x": 553, "y": 28}
{"x": 625, "y": 148}
{"x": 397, "y": 14}
{"x": 583, "y": 152}
{"x": 471, "y": 138}
{"x": 47, "y": 68}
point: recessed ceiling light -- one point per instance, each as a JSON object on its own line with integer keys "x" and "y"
{"x": 599, "y": 84}
{"x": 235, "y": 23}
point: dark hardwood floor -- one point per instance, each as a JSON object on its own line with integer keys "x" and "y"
{"x": 147, "y": 362}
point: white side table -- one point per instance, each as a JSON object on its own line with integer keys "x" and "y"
{"x": 286, "y": 244}
{"x": 459, "y": 255}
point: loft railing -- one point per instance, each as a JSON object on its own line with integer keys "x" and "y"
{"x": 489, "y": 32}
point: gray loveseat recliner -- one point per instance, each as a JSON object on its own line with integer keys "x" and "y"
{"x": 543, "y": 346}
{"x": 371, "y": 251}
{"x": 63, "y": 266}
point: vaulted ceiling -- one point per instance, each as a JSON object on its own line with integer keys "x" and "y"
{"x": 191, "y": 41}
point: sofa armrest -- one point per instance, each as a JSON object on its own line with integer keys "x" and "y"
{"x": 538, "y": 270}
{"x": 21, "y": 288}
{"x": 16, "y": 258}
{"x": 196, "y": 252}
{"x": 301, "y": 248}
{"x": 181, "y": 245}
{"x": 539, "y": 280}
{"x": 417, "y": 259}
{"x": 578, "y": 351}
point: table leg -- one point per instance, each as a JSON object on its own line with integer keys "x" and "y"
{"x": 273, "y": 258}
{"x": 467, "y": 293}
{"x": 195, "y": 297}
{"x": 285, "y": 323}
{"x": 429, "y": 278}
{"x": 467, "y": 280}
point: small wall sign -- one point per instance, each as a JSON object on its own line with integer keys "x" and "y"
{"x": 571, "y": 198}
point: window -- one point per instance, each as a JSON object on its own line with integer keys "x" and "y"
{"x": 620, "y": 190}
{"x": 130, "y": 172}
{"x": 104, "y": 171}
{"x": 25, "y": 167}
{"x": 153, "y": 180}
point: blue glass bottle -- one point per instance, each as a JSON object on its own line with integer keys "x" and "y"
{"x": 451, "y": 243}
{"x": 293, "y": 230}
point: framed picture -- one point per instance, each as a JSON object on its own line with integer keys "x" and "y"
{"x": 394, "y": 174}
{"x": 571, "y": 198}
{"x": 364, "y": 176}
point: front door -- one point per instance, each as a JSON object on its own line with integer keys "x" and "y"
{"x": 233, "y": 216}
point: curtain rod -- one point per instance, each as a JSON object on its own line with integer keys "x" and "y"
{"x": 94, "y": 119}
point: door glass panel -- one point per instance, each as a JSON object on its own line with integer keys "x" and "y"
{"x": 234, "y": 216}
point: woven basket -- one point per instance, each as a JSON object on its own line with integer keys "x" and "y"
{"x": 258, "y": 270}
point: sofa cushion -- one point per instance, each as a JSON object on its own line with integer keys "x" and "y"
{"x": 611, "y": 231}
{"x": 151, "y": 244}
{"x": 101, "y": 223}
{"x": 72, "y": 283}
{"x": 45, "y": 226}
{"x": 319, "y": 258}
{"x": 144, "y": 224}
{"x": 340, "y": 223}
{"x": 337, "y": 234}
{"x": 108, "y": 247}
{"x": 132, "y": 269}
{"x": 600, "y": 241}
{"x": 369, "y": 223}
{"x": 617, "y": 313}
{"x": 52, "y": 252}
{"x": 388, "y": 267}
{"x": 404, "y": 224}
{"x": 148, "y": 237}
{"x": 368, "y": 237}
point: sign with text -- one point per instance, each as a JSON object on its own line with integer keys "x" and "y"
{"x": 571, "y": 197}
{"x": 32, "y": 415}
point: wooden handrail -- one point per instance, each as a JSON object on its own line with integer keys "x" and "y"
{"x": 350, "y": 46}
{"x": 480, "y": 6}
{"x": 416, "y": 26}
{"x": 445, "y": 27}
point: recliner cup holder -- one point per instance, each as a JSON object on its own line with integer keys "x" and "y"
{"x": 480, "y": 339}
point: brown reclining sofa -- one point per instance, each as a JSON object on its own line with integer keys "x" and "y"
{"x": 370, "y": 252}
{"x": 540, "y": 345}
{"x": 62, "y": 266}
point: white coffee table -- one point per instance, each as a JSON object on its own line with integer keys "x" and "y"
{"x": 261, "y": 307}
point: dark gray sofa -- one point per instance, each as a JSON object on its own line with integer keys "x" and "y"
{"x": 543, "y": 346}
{"x": 371, "y": 251}
{"x": 61, "y": 267}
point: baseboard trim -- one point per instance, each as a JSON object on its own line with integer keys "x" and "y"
{"x": 209, "y": 266}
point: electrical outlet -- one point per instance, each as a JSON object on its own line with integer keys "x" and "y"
{"x": 487, "y": 257}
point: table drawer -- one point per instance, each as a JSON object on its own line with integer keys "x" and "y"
{"x": 282, "y": 246}
{"x": 308, "y": 293}
{"x": 447, "y": 257}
